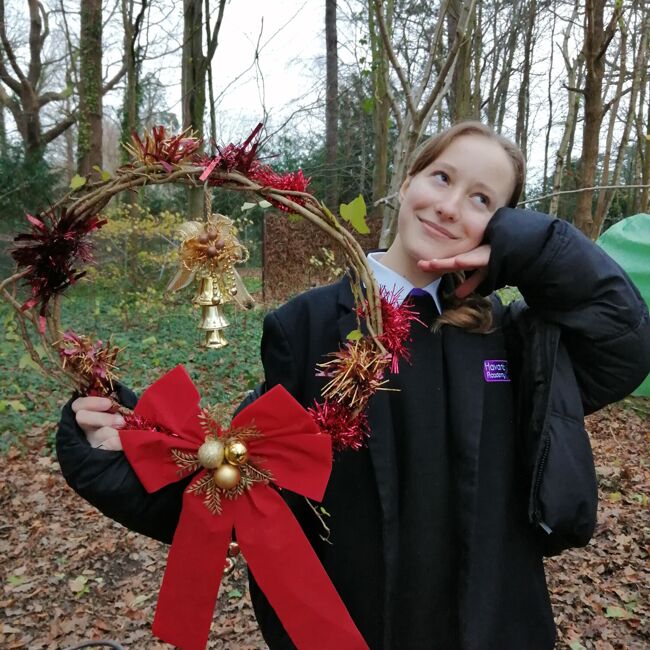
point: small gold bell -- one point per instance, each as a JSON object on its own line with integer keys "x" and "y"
{"x": 212, "y": 318}
{"x": 236, "y": 452}
{"x": 210, "y": 454}
{"x": 205, "y": 296}
{"x": 227, "y": 476}
{"x": 215, "y": 340}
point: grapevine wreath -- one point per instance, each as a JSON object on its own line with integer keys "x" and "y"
{"x": 272, "y": 444}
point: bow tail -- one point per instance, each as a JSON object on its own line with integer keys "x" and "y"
{"x": 290, "y": 574}
{"x": 194, "y": 568}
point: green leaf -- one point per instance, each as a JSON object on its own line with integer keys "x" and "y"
{"x": 576, "y": 645}
{"x": 16, "y": 405}
{"x": 354, "y": 335}
{"x": 106, "y": 175}
{"x": 264, "y": 204}
{"x": 234, "y": 593}
{"x": 355, "y": 213}
{"x": 26, "y": 361}
{"x": 77, "y": 182}
{"x": 368, "y": 105}
{"x": 150, "y": 340}
{"x": 615, "y": 612}
{"x": 247, "y": 206}
{"x": 78, "y": 585}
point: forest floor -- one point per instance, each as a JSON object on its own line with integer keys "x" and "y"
{"x": 69, "y": 574}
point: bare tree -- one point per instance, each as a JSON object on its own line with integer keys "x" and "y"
{"x": 89, "y": 135}
{"x": 193, "y": 78}
{"x": 24, "y": 90}
{"x": 380, "y": 104}
{"x": 422, "y": 90}
{"x": 597, "y": 39}
{"x": 331, "y": 105}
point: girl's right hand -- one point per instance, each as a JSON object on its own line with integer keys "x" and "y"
{"x": 99, "y": 426}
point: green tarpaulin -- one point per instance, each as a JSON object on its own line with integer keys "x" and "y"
{"x": 628, "y": 242}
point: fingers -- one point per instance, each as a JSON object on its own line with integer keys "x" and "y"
{"x": 97, "y": 423}
{"x": 474, "y": 259}
{"x": 92, "y": 404}
{"x": 91, "y": 420}
{"x": 471, "y": 283}
{"x": 105, "y": 438}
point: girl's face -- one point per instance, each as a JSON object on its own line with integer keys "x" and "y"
{"x": 445, "y": 208}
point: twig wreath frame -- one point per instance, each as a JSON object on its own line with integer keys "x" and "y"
{"x": 49, "y": 255}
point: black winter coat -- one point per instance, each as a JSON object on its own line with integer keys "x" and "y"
{"x": 582, "y": 340}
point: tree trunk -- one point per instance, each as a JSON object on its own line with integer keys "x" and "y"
{"x": 460, "y": 92}
{"x": 597, "y": 40}
{"x": 549, "y": 98}
{"x": 3, "y": 131}
{"x": 193, "y": 86}
{"x": 422, "y": 98}
{"x": 523, "y": 99}
{"x": 381, "y": 108}
{"x": 331, "y": 106}
{"x": 89, "y": 137}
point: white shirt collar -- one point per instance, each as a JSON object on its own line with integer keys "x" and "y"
{"x": 393, "y": 281}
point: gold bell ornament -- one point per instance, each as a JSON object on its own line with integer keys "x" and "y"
{"x": 213, "y": 322}
{"x": 210, "y": 251}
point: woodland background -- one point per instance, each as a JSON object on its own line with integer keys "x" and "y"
{"x": 568, "y": 81}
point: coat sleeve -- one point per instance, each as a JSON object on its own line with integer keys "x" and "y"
{"x": 278, "y": 356}
{"x": 106, "y": 480}
{"x": 570, "y": 281}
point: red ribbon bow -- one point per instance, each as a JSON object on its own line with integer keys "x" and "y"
{"x": 284, "y": 564}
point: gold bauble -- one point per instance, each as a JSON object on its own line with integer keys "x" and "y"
{"x": 227, "y": 476}
{"x": 236, "y": 452}
{"x": 210, "y": 454}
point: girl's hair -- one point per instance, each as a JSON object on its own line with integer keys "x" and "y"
{"x": 473, "y": 313}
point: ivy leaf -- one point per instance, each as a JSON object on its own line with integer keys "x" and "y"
{"x": 354, "y": 335}
{"x": 14, "y": 404}
{"x": 355, "y": 213}
{"x": 77, "y": 182}
{"x": 78, "y": 585}
{"x": 576, "y": 645}
{"x": 27, "y": 362}
{"x": 615, "y": 612}
{"x": 102, "y": 172}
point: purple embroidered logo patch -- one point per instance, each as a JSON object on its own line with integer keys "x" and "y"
{"x": 495, "y": 370}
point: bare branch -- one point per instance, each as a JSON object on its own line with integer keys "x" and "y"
{"x": 383, "y": 30}
{"x": 58, "y": 129}
{"x": 214, "y": 39}
{"x": 450, "y": 61}
{"x": 582, "y": 189}
{"x": 10, "y": 81}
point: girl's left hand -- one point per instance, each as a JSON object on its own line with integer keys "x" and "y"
{"x": 476, "y": 259}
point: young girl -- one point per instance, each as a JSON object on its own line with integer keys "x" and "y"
{"x": 478, "y": 464}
